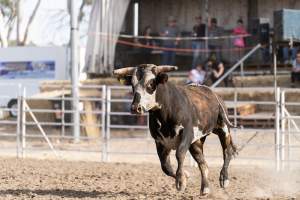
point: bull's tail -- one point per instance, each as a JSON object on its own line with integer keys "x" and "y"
{"x": 224, "y": 113}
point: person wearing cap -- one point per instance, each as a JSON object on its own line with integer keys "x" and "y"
{"x": 170, "y": 31}
{"x": 198, "y": 44}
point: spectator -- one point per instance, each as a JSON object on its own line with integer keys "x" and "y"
{"x": 295, "y": 75}
{"x": 146, "y": 52}
{"x": 289, "y": 54}
{"x": 239, "y": 41}
{"x": 171, "y": 30}
{"x": 198, "y": 31}
{"x": 197, "y": 75}
{"x": 216, "y": 69}
{"x": 264, "y": 38}
{"x": 214, "y": 45}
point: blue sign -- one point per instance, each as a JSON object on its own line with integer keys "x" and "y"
{"x": 27, "y": 70}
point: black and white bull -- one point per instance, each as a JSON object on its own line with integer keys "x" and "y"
{"x": 180, "y": 119}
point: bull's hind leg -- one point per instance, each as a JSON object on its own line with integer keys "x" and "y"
{"x": 229, "y": 150}
{"x": 196, "y": 150}
{"x": 164, "y": 157}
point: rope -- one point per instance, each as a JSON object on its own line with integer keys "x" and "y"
{"x": 247, "y": 142}
{"x": 169, "y": 38}
{"x": 186, "y": 50}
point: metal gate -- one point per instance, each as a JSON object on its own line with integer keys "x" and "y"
{"x": 288, "y": 132}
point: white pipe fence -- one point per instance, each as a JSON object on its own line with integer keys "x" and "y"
{"x": 115, "y": 124}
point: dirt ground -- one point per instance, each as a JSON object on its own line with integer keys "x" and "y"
{"x": 52, "y": 179}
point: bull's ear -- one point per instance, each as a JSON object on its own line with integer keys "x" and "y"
{"x": 161, "y": 78}
{"x": 126, "y": 80}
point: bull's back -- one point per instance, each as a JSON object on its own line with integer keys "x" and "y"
{"x": 206, "y": 103}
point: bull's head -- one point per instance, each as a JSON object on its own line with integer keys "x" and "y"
{"x": 144, "y": 80}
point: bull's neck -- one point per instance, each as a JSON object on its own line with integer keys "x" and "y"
{"x": 167, "y": 98}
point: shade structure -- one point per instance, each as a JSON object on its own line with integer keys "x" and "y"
{"x": 105, "y": 24}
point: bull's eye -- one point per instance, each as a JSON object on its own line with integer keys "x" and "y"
{"x": 151, "y": 86}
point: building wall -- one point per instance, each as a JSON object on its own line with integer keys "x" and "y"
{"x": 267, "y": 7}
{"x": 156, "y": 12}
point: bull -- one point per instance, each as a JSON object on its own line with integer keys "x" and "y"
{"x": 180, "y": 119}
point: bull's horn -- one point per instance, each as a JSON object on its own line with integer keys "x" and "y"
{"x": 126, "y": 71}
{"x": 165, "y": 68}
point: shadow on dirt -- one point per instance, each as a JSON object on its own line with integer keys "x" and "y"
{"x": 62, "y": 193}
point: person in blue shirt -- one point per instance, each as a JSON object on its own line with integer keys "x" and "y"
{"x": 170, "y": 31}
{"x": 295, "y": 75}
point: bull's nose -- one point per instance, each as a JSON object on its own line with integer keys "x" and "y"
{"x": 139, "y": 109}
{"x": 136, "y": 109}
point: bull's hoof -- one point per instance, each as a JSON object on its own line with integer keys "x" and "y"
{"x": 205, "y": 191}
{"x": 181, "y": 181}
{"x": 224, "y": 183}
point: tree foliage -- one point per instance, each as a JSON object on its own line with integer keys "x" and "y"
{"x": 9, "y": 17}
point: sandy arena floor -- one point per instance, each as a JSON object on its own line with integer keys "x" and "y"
{"x": 51, "y": 179}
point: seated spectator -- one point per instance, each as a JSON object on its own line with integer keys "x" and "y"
{"x": 295, "y": 75}
{"x": 197, "y": 75}
{"x": 216, "y": 69}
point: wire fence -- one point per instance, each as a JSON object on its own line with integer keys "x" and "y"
{"x": 268, "y": 134}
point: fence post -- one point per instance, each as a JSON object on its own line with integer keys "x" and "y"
{"x": 242, "y": 69}
{"x": 288, "y": 141}
{"x": 283, "y": 133}
{"x": 235, "y": 112}
{"x": 277, "y": 125}
{"x": 23, "y": 123}
{"x": 103, "y": 122}
{"x": 107, "y": 132}
{"x": 19, "y": 122}
{"x": 63, "y": 129}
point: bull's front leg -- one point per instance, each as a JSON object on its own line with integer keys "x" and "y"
{"x": 184, "y": 145}
{"x": 164, "y": 157}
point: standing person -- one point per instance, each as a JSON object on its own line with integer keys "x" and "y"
{"x": 239, "y": 41}
{"x": 146, "y": 52}
{"x": 198, "y": 44}
{"x": 295, "y": 75}
{"x": 214, "y": 45}
{"x": 171, "y": 30}
{"x": 289, "y": 54}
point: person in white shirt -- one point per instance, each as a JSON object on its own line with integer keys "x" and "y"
{"x": 197, "y": 75}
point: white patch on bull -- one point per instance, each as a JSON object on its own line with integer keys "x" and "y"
{"x": 147, "y": 101}
{"x": 178, "y": 128}
{"x": 206, "y": 172}
{"x": 198, "y": 134}
{"x": 226, "y": 130}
